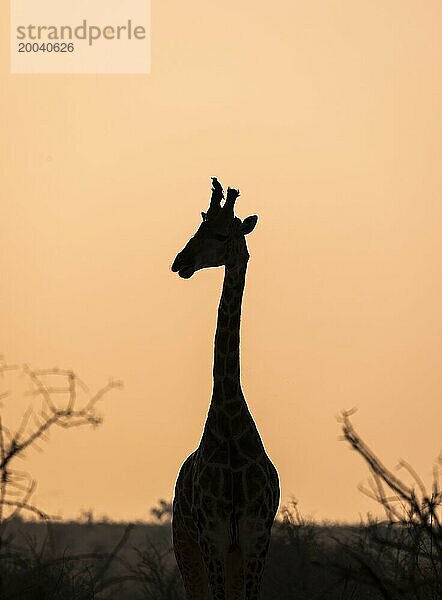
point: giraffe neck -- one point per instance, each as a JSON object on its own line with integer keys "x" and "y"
{"x": 226, "y": 369}
{"x": 229, "y": 418}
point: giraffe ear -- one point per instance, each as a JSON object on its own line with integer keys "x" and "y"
{"x": 248, "y": 225}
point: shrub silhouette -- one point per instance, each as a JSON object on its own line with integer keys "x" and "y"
{"x": 400, "y": 558}
{"x": 35, "y": 570}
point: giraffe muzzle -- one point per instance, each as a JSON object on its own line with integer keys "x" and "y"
{"x": 184, "y": 270}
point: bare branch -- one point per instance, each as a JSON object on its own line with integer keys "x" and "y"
{"x": 35, "y": 426}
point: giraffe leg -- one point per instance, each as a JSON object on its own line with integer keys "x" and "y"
{"x": 254, "y": 570}
{"x": 190, "y": 564}
{"x": 225, "y": 574}
{"x": 255, "y": 555}
{"x": 234, "y": 575}
{"x": 215, "y": 568}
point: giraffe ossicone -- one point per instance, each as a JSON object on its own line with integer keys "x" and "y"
{"x": 227, "y": 491}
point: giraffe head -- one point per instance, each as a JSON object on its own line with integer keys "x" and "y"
{"x": 219, "y": 240}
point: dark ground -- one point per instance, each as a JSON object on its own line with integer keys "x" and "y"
{"x": 105, "y": 560}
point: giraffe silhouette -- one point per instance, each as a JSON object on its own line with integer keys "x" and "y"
{"x": 227, "y": 491}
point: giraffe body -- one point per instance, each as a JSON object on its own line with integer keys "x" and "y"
{"x": 227, "y": 491}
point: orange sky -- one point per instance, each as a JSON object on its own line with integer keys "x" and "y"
{"x": 327, "y": 115}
